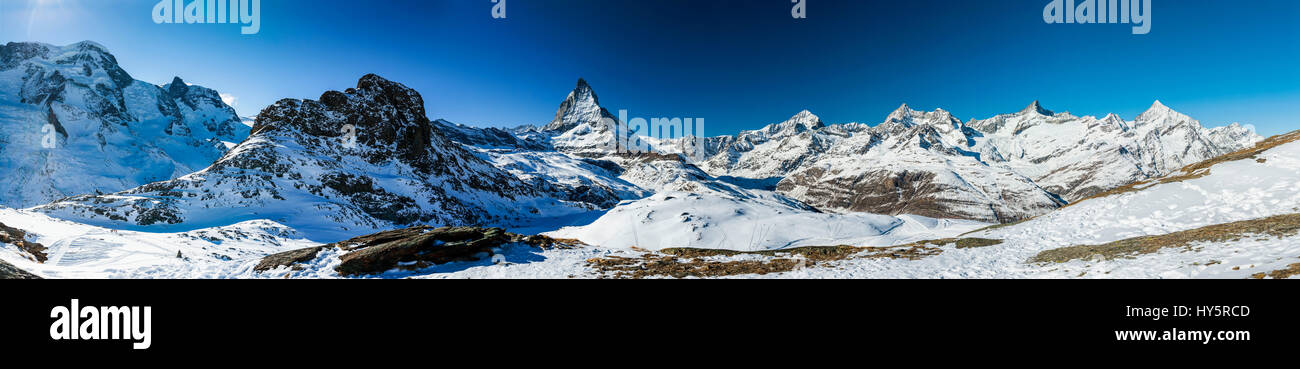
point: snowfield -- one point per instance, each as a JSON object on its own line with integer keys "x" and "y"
{"x": 83, "y": 251}
{"x": 763, "y": 222}
{"x": 1234, "y": 191}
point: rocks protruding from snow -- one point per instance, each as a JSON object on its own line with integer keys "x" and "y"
{"x": 18, "y": 237}
{"x": 73, "y": 122}
{"x": 774, "y": 150}
{"x": 1007, "y": 167}
{"x": 489, "y": 138}
{"x": 409, "y": 248}
{"x": 8, "y": 271}
{"x": 1036, "y": 108}
{"x": 1231, "y": 136}
{"x": 354, "y": 162}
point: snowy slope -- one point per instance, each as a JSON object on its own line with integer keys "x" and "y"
{"x": 82, "y": 251}
{"x": 74, "y": 122}
{"x": 761, "y": 221}
{"x": 1233, "y": 191}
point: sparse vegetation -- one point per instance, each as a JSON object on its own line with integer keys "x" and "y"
{"x": 1202, "y": 169}
{"x": 689, "y": 262}
{"x": 1291, "y": 270}
{"x": 996, "y": 226}
{"x": 1276, "y": 226}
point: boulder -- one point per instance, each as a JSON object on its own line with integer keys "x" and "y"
{"x": 8, "y": 271}
{"x": 415, "y": 248}
{"x": 18, "y": 237}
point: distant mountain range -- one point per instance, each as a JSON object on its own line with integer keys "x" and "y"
{"x": 1005, "y": 168}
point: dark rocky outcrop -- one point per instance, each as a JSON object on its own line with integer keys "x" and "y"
{"x": 18, "y": 237}
{"x": 8, "y": 271}
{"x": 410, "y": 248}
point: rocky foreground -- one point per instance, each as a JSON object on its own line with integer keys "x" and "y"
{"x": 410, "y": 249}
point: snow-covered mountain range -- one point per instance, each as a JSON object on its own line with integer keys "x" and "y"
{"x": 350, "y": 163}
{"x": 91, "y": 152}
{"x": 1001, "y": 169}
{"x": 74, "y": 122}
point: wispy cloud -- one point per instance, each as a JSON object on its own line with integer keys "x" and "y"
{"x": 230, "y": 100}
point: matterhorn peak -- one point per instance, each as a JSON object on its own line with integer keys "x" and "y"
{"x": 580, "y": 106}
{"x": 1037, "y": 108}
{"x": 584, "y": 91}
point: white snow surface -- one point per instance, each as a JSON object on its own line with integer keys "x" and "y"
{"x": 761, "y": 221}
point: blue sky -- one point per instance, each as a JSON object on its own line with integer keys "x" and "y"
{"x": 738, "y": 64}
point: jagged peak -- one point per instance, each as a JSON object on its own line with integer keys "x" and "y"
{"x": 807, "y": 117}
{"x": 89, "y": 45}
{"x": 1157, "y": 105}
{"x": 1037, "y": 108}
{"x": 580, "y": 105}
{"x": 903, "y": 112}
{"x": 176, "y": 88}
{"x": 1161, "y": 112}
{"x": 803, "y": 121}
{"x": 373, "y": 82}
{"x": 584, "y": 91}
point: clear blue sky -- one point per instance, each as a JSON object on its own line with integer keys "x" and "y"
{"x": 738, "y": 64}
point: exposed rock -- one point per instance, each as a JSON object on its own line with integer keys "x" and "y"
{"x": 423, "y": 247}
{"x": 8, "y": 271}
{"x": 18, "y": 237}
{"x": 289, "y": 258}
{"x": 412, "y": 248}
